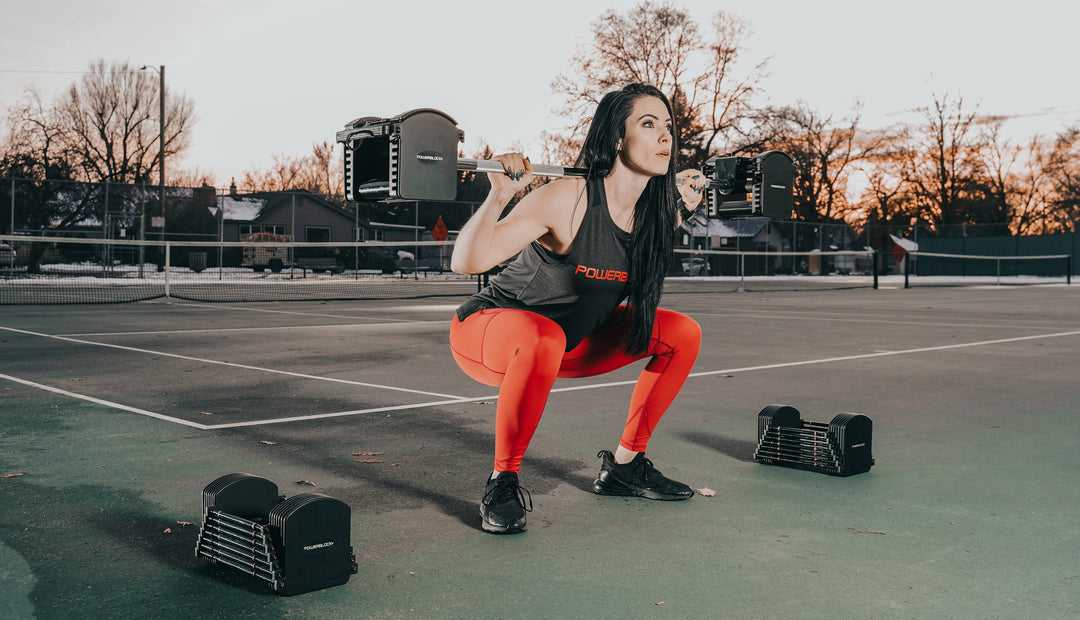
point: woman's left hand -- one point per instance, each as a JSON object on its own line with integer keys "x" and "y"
{"x": 691, "y": 188}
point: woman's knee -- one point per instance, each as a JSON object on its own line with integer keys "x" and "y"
{"x": 677, "y": 330}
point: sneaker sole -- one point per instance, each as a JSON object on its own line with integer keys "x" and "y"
{"x": 618, "y": 489}
{"x": 495, "y": 529}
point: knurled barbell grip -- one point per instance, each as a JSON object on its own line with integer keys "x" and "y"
{"x": 543, "y": 170}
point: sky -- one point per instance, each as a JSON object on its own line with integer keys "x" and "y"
{"x": 274, "y": 77}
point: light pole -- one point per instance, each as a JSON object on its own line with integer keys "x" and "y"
{"x": 161, "y": 141}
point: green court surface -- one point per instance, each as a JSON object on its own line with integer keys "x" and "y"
{"x": 114, "y": 418}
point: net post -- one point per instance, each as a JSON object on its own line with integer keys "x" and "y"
{"x": 742, "y": 272}
{"x": 168, "y": 261}
{"x": 907, "y": 269}
{"x": 874, "y": 263}
{"x": 1068, "y": 268}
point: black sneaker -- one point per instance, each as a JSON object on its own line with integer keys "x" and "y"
{"x": 503, "y": 506}
{"x": 638, "y": 478}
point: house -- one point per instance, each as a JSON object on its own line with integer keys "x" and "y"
{"x": 736, "y": 235}
{"x": 299, "y": 214}
{"x": 744, "y": 235}
{"x": 305, "y": 217}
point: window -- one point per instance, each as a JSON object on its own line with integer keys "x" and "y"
{"x": 247, "y": 229}
{"x": 317, "y": 234}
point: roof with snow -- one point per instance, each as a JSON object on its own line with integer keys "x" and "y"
{"x": 701, "y": 226}
{"x": 241, "y": 209}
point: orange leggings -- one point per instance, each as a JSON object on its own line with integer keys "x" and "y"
{"x": 523, "y": 353}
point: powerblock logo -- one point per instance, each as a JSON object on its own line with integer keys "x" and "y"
{"x": 429, "y": 156}
{"x": 324, "y": 545}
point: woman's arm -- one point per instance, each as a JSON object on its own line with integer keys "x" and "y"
{"x": 485, "y": 240}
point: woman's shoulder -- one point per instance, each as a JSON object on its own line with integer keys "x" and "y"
{"x": 561, "y": 189}
{"x": 559, "y": 195}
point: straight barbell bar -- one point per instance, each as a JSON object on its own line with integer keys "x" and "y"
{"x": 412, "y": 157}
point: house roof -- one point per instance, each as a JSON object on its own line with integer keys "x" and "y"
{"x": 906, "y": 244}
{"x": 701, "y": 226}
{"x": 253, "y": 206}
{"x": 240, "y": 209}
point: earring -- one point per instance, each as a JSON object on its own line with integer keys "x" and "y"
{"x": 618, "y": 145}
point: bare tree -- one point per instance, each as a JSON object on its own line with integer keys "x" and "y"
{"x": 661, "y": 45}
{"x": 886, "y": 198}
{"x": 109, "y": 120}
{"x": 943, "y": 166}
{"x": 36, "y": 140}
{"x": 318, "y": 172}
{"x": 1016, "y": 182}
{"x": 726, "y": 95}
{"x": 1063, "y": 167}
{"x": 824, "y": 153}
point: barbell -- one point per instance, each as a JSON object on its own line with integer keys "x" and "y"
{"x": 412, "y": 157}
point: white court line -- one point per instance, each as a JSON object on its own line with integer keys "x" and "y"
{"x": 844, "y": 358}
{"x": 339, "y": 414}
{"x": 293, "y": 313}
{"x": 106, "y": 403}
{"x": 456, "y": 400}
{"x": 853, "y": 319}
{"x": 253, "y": 329}
{"x": 230, "y": 364}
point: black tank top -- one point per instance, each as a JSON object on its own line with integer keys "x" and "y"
{"x": 578, "y": 290}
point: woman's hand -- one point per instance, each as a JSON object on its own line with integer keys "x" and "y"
{"x": 516, "y": 175}
{"x": 691, "y": 188}
{"x": 485, "y": 240}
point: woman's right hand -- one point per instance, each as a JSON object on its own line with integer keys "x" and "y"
{"x": 516, "y": 175}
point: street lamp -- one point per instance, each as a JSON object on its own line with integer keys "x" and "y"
{"x": 161, "y": 140}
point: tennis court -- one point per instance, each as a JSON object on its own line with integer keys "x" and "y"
{"x": 114, "y": 417}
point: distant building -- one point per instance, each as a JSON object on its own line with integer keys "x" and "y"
{"x": 303, "y": 216}
{"x": 745, "y": 235}
{"x": 733, "y": 235}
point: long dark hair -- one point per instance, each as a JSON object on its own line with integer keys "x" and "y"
{"x": 654, "y": 213}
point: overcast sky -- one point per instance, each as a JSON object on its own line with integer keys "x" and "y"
{"x": 275, "y": 76}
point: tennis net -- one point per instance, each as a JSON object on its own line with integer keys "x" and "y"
{"x": 57, "y": 270}
{"x": 52, "y": 270}
{"x": 939, "y": 269}
{"x": 758, "y": 271}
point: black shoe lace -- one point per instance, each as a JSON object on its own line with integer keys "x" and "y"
{"x": 503, "y": 490}
{"x": 645, "y": 469}
{"x": 642, "y": 469}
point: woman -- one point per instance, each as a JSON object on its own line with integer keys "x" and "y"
{"x": 582, "y": 246}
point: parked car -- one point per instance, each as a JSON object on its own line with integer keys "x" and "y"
{"x": 7, "y": 255}
{"x": 694, "y": 266}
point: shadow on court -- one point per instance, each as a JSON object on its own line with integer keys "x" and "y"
{"x": 114, "y": 418}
